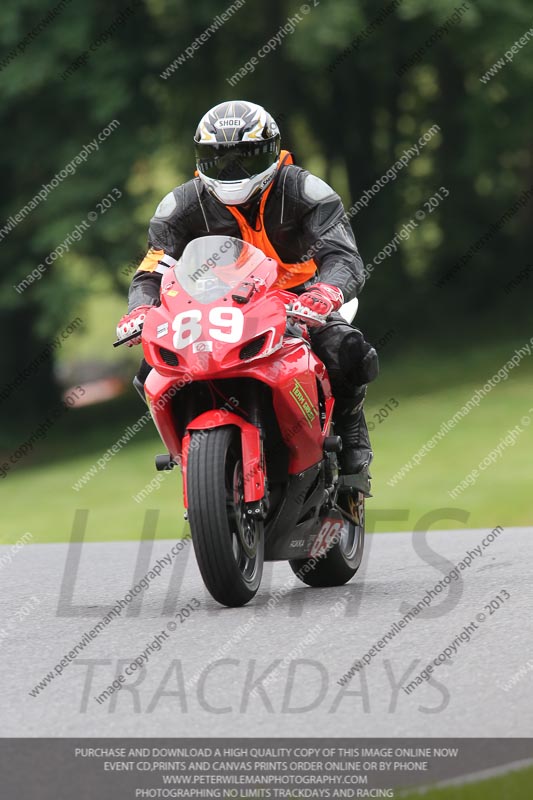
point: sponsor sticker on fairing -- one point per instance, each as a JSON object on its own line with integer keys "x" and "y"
{"x": 162, "y": 330}
{"x": 202, "y": 347}
{"x": 304, "y": 402}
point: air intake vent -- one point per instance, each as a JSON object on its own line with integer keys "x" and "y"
{"x": 169, "y": 357}
{"x": 252, "y": 348}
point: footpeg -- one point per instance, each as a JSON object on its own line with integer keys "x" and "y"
{"x": 164, "y": 462}
{"x": 332, "y": 444}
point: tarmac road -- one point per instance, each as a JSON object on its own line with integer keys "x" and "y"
{"x": 201, "y": 681}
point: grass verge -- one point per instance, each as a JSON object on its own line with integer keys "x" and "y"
{"x": 428, "y": 388}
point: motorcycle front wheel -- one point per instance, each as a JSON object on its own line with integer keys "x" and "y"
{"x": 228, "y": 543}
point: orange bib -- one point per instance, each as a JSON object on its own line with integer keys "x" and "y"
{"x": 288, "y": 274}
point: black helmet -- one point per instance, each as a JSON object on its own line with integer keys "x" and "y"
{"x": 237, "y": 146}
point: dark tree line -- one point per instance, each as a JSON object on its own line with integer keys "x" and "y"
{"x": 348, "y": 107}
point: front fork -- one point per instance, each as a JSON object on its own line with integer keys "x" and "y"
{"x": 258, "y": 509}
{"x": 252, "y": 453}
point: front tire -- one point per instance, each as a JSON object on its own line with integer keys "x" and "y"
{"x": 229, "y": 546}
{"x": 341, "y": 562}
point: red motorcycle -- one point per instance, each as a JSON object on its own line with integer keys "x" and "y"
{"x": 245, "y": 407}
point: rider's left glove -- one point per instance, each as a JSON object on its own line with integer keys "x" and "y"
{"x": 319, "y": 301}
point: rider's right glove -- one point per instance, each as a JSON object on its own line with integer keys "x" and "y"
{"x": 132, "y": 322}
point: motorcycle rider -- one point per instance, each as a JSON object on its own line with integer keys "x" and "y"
{"x": 247, "y": 187}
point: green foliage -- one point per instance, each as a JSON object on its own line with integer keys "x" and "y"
{"x": 334, "y": 83}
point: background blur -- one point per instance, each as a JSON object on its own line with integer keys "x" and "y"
{"x": 99, "y": 103}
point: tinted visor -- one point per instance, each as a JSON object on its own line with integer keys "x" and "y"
{"x": 236, "y": 161}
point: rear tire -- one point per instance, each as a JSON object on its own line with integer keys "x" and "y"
{"x": 229, "y": 546}
{"x": 341, "y": 561}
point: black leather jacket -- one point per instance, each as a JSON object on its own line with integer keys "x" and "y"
{"x": 304, "y": 218}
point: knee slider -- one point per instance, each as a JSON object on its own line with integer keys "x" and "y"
{"x": 350, "y": 360}
{"x": 358, "y": 359}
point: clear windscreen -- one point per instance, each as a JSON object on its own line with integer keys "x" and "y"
{"x": 212, "y": 266}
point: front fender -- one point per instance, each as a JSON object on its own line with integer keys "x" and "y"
{"x": 252, "y": 450}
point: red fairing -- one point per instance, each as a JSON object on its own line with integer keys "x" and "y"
{"x": 293, "y": 374}
{"x": 159, "y": 391}
{"x": 208, "y": 338}
{"x": 242, "y": 334}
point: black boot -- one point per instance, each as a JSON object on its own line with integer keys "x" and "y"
{"x": 350, "y": 425}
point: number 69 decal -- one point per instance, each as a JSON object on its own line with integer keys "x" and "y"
{"x": 228, "y": 324}
{"x": 329, "y": 534}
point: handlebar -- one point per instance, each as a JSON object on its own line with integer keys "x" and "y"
{"x": 128, "y": 338}
{"x": 305, "y": 318}
{"x": 302, "y": 318}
